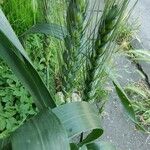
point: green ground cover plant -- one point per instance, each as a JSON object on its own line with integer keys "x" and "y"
{"x": 140, "y": 95}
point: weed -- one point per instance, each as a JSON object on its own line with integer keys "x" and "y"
{"x": 16, "y": 104}
{"x": 127, "y": 32}
{"x": 140, "y": 98}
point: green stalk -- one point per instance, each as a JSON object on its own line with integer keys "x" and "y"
{"x": 46, "y": 50}
{"x": 46, "y": 39}
{"x": 34, "y": 4}
{"x": 47, "y": 17}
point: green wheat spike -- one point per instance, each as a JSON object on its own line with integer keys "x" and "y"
{"x": 75, "y": 20}
{"x": 104, "y": 33}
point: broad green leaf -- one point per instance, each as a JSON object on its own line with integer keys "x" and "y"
{"x": 53, "y": 30}
{"x": 43, "y": 132}
{"x": 80, "y": 117}
{"x": 100, "y": 146}
{"x": 14, "y": 55}
{"x": 76, "y": 118}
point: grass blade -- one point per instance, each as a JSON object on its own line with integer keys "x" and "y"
{"x": 125, "y": 102}
{"x": 53, "y": 30}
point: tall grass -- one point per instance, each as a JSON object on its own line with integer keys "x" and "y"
{"x": 21, "y": 13}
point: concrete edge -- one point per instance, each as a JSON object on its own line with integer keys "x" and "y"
{"x": 137, "y": 44}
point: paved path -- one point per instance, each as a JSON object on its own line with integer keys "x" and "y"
{"x": 142, "y": 11}
{"x": 119, "y": 129}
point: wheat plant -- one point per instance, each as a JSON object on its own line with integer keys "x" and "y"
{"x": 104, "y": 34}
{"x": 84, "y": 59}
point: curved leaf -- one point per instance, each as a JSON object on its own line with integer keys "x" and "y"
{"x": 125, "y": 102}
{"x": 14, "y": 55}
{"x": 43, "y": 132}
{"x": 127, "y": 105}
{"x": 95, "y": 134}
{"x": 123, "y": 98}
{"x": 76, "y": 118}
{"x": 80, "y": 117}
{"x": 54, "y": 30}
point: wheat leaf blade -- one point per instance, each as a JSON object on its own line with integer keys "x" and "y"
{"x": 41, "y": 133}
{"x": 79, "y": 117}
{"x": 53, "y": 30}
